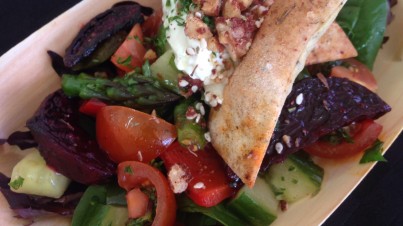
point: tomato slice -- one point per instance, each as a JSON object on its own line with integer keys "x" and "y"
{"x": 91, "y": 107}
{"x": 357, "y": 72}
{"x": 137, "y": 203}
{"x": 208, "y": 183}
{"x": 126, "y": 134}
{"x": 365, "y": 134}
{"x": 131, "y": 53}
{"x": 133, "y": 174}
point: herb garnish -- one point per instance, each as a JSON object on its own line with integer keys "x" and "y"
{"x": 209, "y": 21}
{"x": 125, "y": 62}
{"x": 160, "y": 40}
{"x": 17, "y": 183}
{"x": 179, "y": 20}
{"x": 128, "y": 170}
{"x": 373, "y": 154}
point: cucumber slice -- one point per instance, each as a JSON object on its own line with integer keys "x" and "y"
{"x": 92, "y": 210}
{"x": 165, "y": 70}
{"x": 32, "y": 176}
{"x": 258, "y": 206}
{"x": 296, "y": 178}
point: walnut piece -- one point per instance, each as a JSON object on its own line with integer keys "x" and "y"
{"x": 195, "y": 28}
{"x": 236, "y": 35}
{"x": 214, "y": 45}
{"x": 211, "y": 7}
{"x": 231, "y": 8}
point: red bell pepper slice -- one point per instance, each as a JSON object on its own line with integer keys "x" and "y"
{"x": 91, "y": 107}
{"x": 208, "y": 183}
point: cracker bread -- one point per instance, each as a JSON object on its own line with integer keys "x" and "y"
{"x": 242, "y": 126}
{"x": 333, "y": 45}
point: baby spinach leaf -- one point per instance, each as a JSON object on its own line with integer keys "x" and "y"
{"x": 364, "y": 22}
{"x": 374, "y": 153}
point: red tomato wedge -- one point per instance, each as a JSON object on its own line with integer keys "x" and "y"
{"x": 357, "y": 72}
{"x": 126, "y": 134}
{"x": 365, "y": 134}
{"x": 208, "y": 183}
{"x": 91, "y": 107}
{"x": 131, "y": 53}
{"x": 137, "y": 203}
{"x": 133, "y": 174}
{"x": 152, "y": 23}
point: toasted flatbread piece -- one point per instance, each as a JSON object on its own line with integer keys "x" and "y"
{"x": 242, "y": 127}
{"x": 333, "y": 45}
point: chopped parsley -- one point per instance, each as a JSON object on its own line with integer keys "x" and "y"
{"x": 374, "y": 153}
{"x": 125, "y": 62}
{"x": 160, "y": 41}
{"x": 209, "y": 21}
{"x": 179, "y": 20}
{"x": 147, "y": 219}
{"x": 346, "y": 136}
{"x": 337, "y": 137}
{"x": 135, "y": 37}
{"x": 128, "y": 170}
{"x": 17, "y": 183}
{"x": 184, "y": 6}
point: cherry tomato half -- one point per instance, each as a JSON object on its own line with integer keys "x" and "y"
{"x": 126, "y": 134}
{"x": 133, "y": 175}
{"x": 366, "y": 133}
{"x": 357, "y": 72}
{"x": 131, "y": 53}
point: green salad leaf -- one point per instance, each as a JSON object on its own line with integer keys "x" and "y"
{"x": 374, "y": 153}
{"x": 219, "y": 212}
{"x": 364, "y": 21}
{"x": 94, "y": 210}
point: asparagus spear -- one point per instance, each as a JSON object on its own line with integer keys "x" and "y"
{"x": 133, "y": 90}
{"x": 190, "y": 124}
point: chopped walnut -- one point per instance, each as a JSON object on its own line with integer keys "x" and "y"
{"x": 195, "y": 28}
{"x": 211, "y": 7}
{"x": 231, "y": 8}
{"x": 236, "y": 35}
{"x": 214, "y": 45}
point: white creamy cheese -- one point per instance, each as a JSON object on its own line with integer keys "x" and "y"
{"x": 192, "y": 55}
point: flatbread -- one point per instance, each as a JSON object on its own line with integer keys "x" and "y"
{"x": 333, "y": 45}
{"x": 242, "y": 126}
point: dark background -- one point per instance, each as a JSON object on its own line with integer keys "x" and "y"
{"x": 377, "y": 201}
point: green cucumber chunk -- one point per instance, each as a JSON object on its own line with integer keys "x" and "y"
{"x": 32, "y": 176}
{"x": 258, "y": 206}
{"x": 165, "y": 71}
{"x": 219, "y": 213}
{"x": 295, "y": 178}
